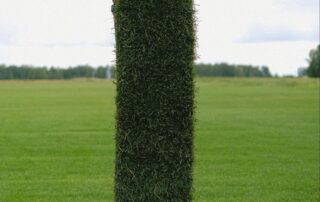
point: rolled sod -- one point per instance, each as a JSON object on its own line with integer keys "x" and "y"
{"x": 155, "y": 99}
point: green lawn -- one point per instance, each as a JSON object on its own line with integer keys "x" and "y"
{"x": 255, "y": 140}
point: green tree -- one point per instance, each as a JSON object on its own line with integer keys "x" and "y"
{"x": 314, "y": 63}
{"x": 155, "y": 90}
{"x": 265, "y": 71}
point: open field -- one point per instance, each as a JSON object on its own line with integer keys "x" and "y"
{"x": 256, "y": 140}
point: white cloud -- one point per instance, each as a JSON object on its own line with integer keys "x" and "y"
{"x": 51, "y": 22}
{"x": 6, "y": 36}
{"x": 57, "y": 32}
{"x": 259, "y": 33}
{"x": 57, "y": 56}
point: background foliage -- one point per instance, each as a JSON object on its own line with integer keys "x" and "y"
{"x": 30, "y": 72}
{"x": 87, "y": 71}
{"x": 314, "y": 63}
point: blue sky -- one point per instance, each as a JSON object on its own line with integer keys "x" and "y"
{"x": 276, "y": 33}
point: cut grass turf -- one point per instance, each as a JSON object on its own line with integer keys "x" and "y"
{"x": 255, "y": 140}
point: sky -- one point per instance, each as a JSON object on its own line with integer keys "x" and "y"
{"x": 275, "y": 33}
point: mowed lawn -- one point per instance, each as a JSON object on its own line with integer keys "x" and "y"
{"x": 255, "y": 140}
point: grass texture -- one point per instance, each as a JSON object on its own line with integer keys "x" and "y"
{"x": 255, "y": 140}
{"x": 154, "y": 134}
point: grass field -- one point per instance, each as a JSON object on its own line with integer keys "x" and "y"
{"x": 256, "y": 140}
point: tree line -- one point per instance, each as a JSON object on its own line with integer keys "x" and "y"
{"x": 228, "y": 70}
{"x": 87, "y": 71}
{"x": 201, "y": 70}
{"x": 314, "y": 63}
{"x": 31, "y": 72}
{"x": 313, "y": 69}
